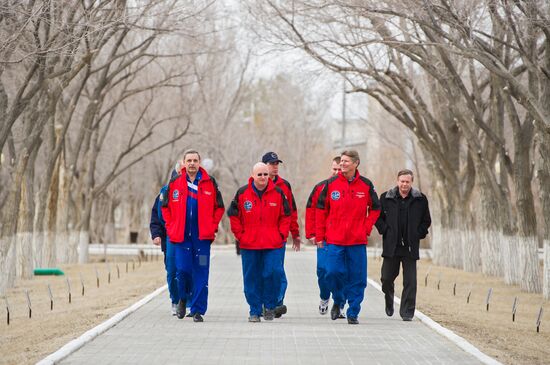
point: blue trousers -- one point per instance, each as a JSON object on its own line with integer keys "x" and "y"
{"x": 324, "y": 289}
{"x": 192, "y": 269}
{"x": 284, "y": 282}
{"x": 170, "y": 266}
{"x": 261, "y": 278}
{"x": 347, "y": 276}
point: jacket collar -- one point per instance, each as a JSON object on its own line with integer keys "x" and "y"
{"x": 204, "y": 174}
{"x": 341, "y": 176}
{"x": 270, "y": 184}
{"x": 394, "y": 193}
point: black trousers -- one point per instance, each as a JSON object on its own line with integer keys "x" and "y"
{"x": 390, "y": 271}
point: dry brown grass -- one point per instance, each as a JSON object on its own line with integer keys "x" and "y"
{"x": 493, "y": 331}
{"x": 27, "y": 340}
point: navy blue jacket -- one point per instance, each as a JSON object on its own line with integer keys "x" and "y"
{"x": 156, "y": 226}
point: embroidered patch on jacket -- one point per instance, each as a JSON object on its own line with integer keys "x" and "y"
{"x": 360, "y": 194}
{"x": 175, "y": 194}
{"x": 335, "y": 195}
{"x": 247, "y": 205}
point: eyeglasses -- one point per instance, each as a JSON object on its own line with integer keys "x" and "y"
{"x": 264, "y": 174}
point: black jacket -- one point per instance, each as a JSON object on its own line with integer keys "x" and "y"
{"x": 419, "y": 221}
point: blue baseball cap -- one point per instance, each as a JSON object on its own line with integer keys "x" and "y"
{"x": 271, "y": 157}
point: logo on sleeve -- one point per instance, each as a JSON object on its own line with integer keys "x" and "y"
{"x": 335, "y": 195}
{"x": 175, "y": 194}
{"x": 248, "y": 205}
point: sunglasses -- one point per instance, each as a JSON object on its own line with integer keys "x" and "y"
{"x": 264, "y": 174}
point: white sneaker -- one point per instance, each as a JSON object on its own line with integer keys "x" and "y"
{"x": 174, "y": 309}
{"x": 323, "y": 307}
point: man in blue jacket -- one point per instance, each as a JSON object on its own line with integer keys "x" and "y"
{"x": 158, "y": 235}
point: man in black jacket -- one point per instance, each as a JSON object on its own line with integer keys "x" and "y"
{"x": 404, "y": 220}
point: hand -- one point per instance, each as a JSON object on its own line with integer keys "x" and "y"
{"x": 312, "y": 241}
{"x": 156, "y": 241}
{"x": 296, "y": 242}
{"x": 320, "y": 244}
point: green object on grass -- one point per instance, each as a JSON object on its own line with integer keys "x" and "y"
{"x": 48, "y": 271}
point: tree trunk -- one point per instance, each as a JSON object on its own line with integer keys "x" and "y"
{"x": 24, "y": 249}
{"x": 472, "y": 249}
{"x": 489, "y": 230}
{"x": 10, "y": 214}
{"x": 50, "y": 236}
{"x": 527, "y": 219}
{"x": 543, "y": 174}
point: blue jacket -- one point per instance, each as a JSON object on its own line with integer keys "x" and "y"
{"x": 156, "y": 225}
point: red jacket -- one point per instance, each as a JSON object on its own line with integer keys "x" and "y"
{"x": 287, "y": 189}
{"x": 346, "y": 211}
{"x": 259, "y": 223}
{"x": 210, "y": 207}
{"x": 311, "y": 208}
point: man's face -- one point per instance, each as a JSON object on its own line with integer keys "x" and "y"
{"x": 191, "y": 163}
{"x": 273, "y": 169}
{"x": 260, "y": 175}
{"x": 404, "y": 183}
{"x": 335, "y": 168}
{"x": 347, "y": 165}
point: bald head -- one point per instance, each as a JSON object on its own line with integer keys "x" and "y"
{"x": 260, "y": 175}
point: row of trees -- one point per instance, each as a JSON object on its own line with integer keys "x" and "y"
{"x": 98, "y": 99}
{"x": 88, "y": 91}
{"x": 471, "y": 80}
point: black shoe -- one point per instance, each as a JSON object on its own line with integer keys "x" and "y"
{"x": 407, "y": 319}
{"x": 280, "y": 310}
{"x": 189, "y": 315}
{"x": 389, "y": 310}
{"x": 335, "y": 312}
{"x": 352, "y": 320}
{"x": 197, "y": 318}
{"x": 180, "y": 311}
{"x": 269, "y": 314}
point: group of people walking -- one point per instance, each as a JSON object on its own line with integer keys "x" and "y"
{"x": 340, "y": 215}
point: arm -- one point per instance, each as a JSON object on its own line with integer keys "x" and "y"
{"x": 235, "y": 218}
{"x": 310, "y": 213}
{"x": 294, "y": 228}
{"x": 321, "y": 214}
{"x": 165, "y": 205}
{"x": 156, "y": 225}
{"x": 219, "y": 207}
{"x": 381, "y": 224}
{"x": 285, "y": 216}
{"x": 374, "y": 209}
{"x": 425, "y": 222}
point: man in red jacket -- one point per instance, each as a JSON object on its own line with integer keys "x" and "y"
{"x": 348, "y": 208}
{"x": 260, "y": 220}
{"x": 322, "y": 250}
{"x": 272, "y": 160}
{"x": 192, "y": 210}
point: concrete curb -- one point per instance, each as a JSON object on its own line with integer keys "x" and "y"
{"x": 88, "y": 336}
{"x": 450, "y": 335}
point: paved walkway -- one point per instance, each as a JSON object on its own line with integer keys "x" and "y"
{"x": 152, "y": 335}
